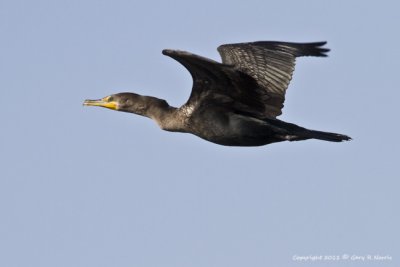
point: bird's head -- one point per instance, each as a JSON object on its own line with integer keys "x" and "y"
{"x": 127, "y": 102}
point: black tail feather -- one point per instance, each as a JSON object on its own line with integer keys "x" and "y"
{"x": 326, "y": 136}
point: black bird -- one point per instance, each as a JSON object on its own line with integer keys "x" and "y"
{"x": 233, "y": 103}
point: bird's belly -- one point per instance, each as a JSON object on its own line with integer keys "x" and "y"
{"x": 236, "y": 131}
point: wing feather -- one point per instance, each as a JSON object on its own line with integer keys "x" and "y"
{"x": 252, "y": 78}
{"x": 219, "y": 83}
{"x": 271, "y": 65}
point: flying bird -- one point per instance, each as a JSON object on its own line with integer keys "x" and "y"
{"x": 233, "y": 103}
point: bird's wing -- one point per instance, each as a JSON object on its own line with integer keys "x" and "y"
{"x": 271, "y": 65}
{"x": 218, "y": 83}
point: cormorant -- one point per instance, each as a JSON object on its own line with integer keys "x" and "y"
{"x": 233, "y": 103}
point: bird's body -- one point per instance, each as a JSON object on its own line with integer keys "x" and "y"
{"x": 233, "y": 103}
{"x": 233, "y": 129}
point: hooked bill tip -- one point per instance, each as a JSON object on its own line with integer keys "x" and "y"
{"x": 89, "y": 102}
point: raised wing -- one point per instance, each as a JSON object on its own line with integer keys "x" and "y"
{"x": 218, "y": 83}
{"x": 271, "y": 65}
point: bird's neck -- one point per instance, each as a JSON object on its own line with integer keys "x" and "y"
{"x": 167, "y": 117}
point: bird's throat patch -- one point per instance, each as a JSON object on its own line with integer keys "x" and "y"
{"x": 110, "y": 105}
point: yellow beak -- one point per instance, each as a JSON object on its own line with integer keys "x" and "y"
{"x": 101, "y": 103}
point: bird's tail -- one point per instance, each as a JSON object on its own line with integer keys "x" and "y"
{"x": 293, "y": 132}
{"x": 326, "y": 136}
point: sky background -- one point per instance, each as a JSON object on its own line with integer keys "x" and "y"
{"x": 93, "y": 187}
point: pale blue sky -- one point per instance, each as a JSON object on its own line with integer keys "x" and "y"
{"x": 92, "y": 187}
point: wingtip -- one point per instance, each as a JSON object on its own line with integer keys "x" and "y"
{"x": 167, "y": 51}
{"x": 320, "y": 50}
{"x": 173, "y": 52}
{"x": 320, "y": 43}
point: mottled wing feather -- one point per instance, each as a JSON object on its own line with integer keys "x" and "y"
{"x": 271, "y": 65}
{"x": 219, "y": 83}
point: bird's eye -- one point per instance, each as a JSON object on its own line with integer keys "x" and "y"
{"x": 109, "y": 99}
